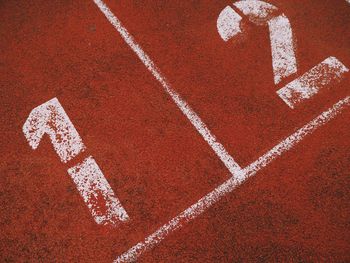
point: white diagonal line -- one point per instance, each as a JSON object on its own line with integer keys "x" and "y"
{"x": 196, "y": 121}
{"x": 239, "y": 175}
{"x": 229, "y": 185}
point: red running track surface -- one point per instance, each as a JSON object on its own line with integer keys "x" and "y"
{"x": 295, "y": 209}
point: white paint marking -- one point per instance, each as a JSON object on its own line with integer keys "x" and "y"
{"x": 296, "y": 137}
{"x": 228, "y": 186}
{"x": 258, "y": 12}
{"x": 283, "y": 57}
{"x": 97, "y": 193}
{"x": 51, "y": 118}
{"x": 309, "y": 84}
{"x": 228, "y": 23}
{"x": 284, "y": 62}
{"x": 218, "y": 148}
{"x": 238, "y": 176}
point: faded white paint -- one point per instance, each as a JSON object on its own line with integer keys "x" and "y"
{"x": 228, "y": 23}
{"x": 228, "y": 186}
{"x": 310, "y": 83}
{"x": 258, "y": 12}
{"x": 97, "y": 193}
{"x": 50, "y": 118}
{"x": 238, "y": 176}
{"x": 284, "y": 62}
{"x": 195, "y": 120}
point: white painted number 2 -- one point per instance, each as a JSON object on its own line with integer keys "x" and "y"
{"x": 51, "y": 119}
{"x": 284, "y": 62}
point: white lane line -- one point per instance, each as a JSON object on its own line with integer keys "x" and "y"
{"x": 228, "y": 186}
{"x": 296, "y": 137}
{"x": 309, "y": 84}
{"x": 218, "y": 148}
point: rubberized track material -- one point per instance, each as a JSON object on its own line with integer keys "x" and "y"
{"x": 176, "y": 140}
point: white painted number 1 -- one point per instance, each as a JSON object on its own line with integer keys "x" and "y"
{"x": 51, "y": 119}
